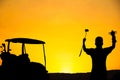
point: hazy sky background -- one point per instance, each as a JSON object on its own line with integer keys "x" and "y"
{"x": 61, "y": 24}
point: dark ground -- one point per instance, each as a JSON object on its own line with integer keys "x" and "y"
{"x": 112, "y": 75}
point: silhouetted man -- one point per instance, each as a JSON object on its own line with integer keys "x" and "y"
{"x": 99, "y": 56}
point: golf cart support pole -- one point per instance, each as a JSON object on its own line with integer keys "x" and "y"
{"x": 8, "y": 46}
{"x": 44, "y": 55}
{"x": 23, "y": 45}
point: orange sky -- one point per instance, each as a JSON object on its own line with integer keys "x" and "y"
{"x": 61, "y": 24}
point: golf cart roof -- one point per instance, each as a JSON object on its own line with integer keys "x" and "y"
{"x": 25, "y": 40}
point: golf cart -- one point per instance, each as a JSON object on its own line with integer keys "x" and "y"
{"x": 19, "y": 67}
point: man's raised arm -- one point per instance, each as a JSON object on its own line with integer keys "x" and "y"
{"x": 112, "y": 33}
{"x": 84, "y": 47}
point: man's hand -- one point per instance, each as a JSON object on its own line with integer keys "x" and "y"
{"x": 112, "y": 32}
{"x": 113, "y": 36}
{"x": 84, "y": 39}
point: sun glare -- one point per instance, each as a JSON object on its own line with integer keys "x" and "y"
{"x": 66, "y": 69}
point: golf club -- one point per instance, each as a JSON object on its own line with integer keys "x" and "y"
{"x": 86, "y": 30}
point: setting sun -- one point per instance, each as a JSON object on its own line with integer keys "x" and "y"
{"x": 61, "y": 24}
{"x": 66, "y": 70}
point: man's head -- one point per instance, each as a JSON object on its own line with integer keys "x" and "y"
{"x": 99, "y": 42}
